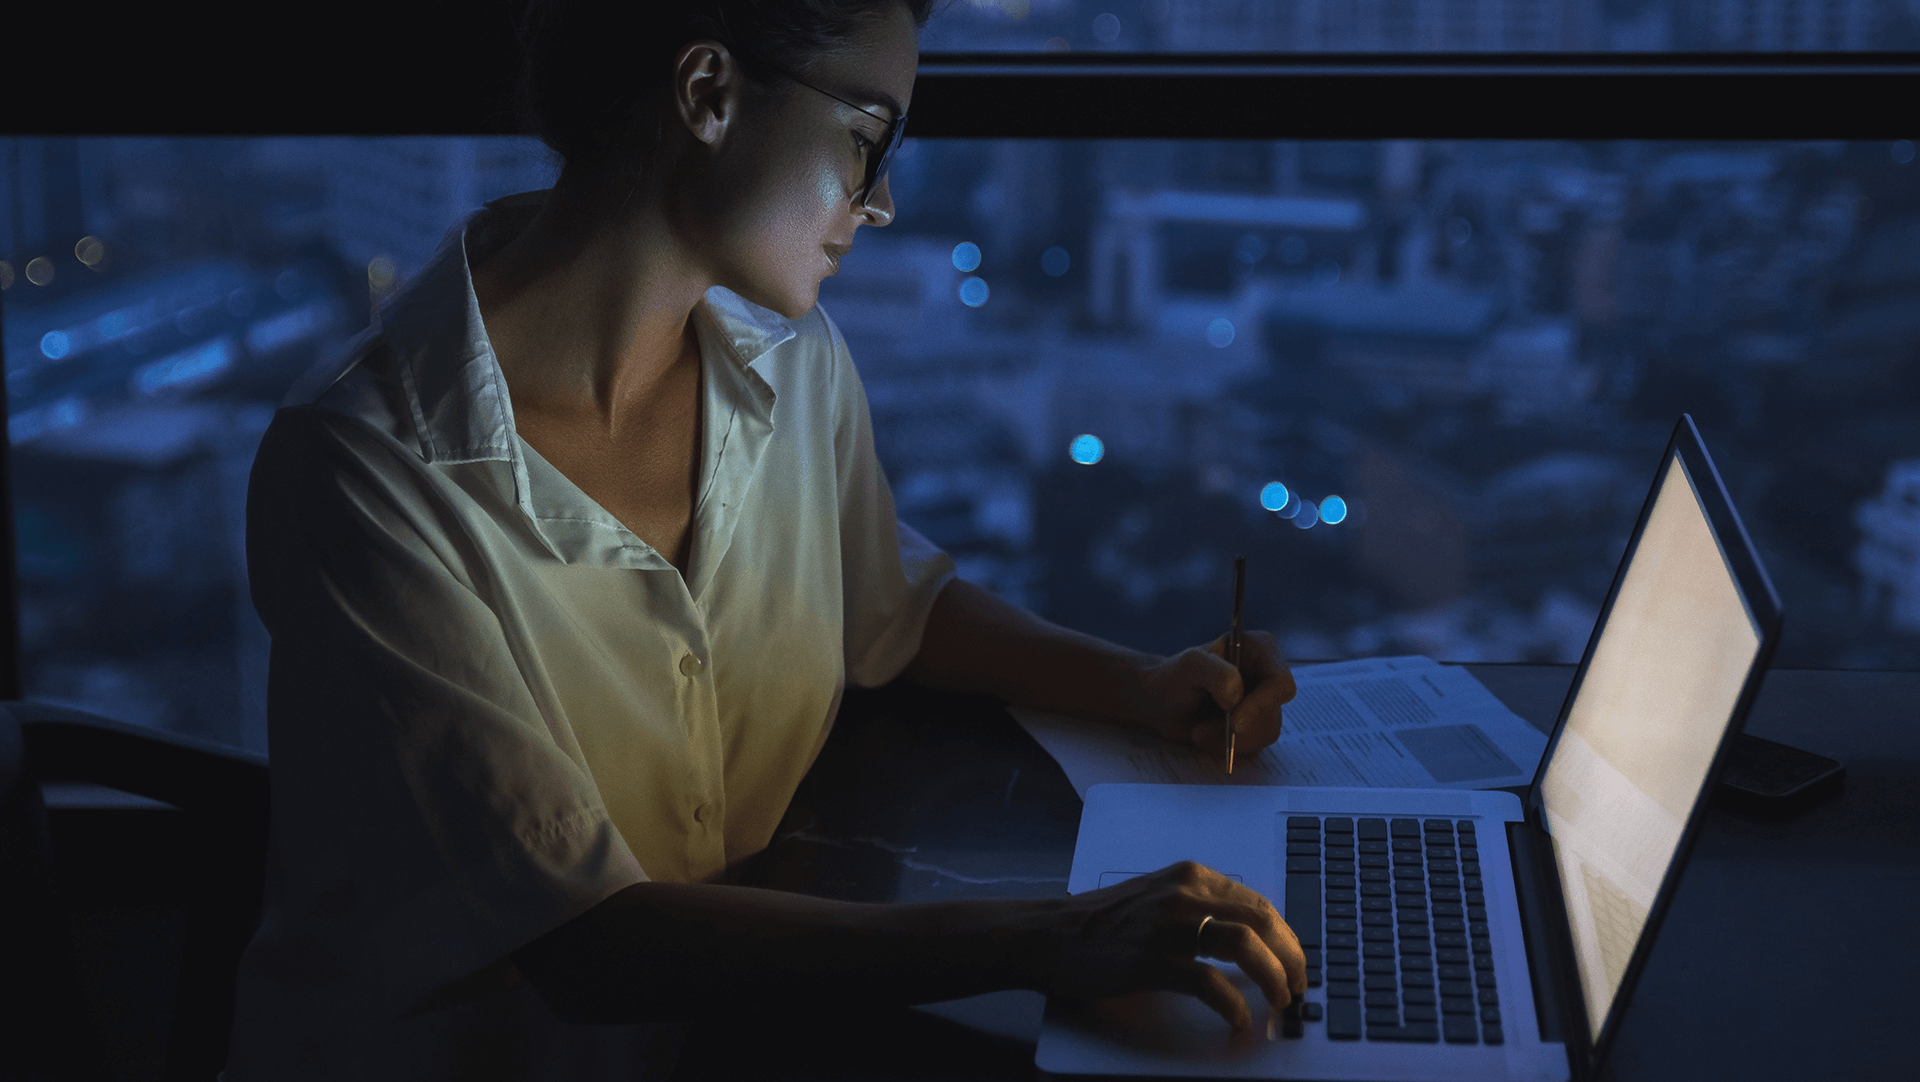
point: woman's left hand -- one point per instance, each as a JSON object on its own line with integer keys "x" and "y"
{"x": 1190, "y": 698}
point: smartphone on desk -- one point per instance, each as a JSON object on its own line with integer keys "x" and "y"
{"x": 1771, "y": 779}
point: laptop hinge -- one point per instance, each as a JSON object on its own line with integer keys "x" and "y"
{"x": 1538, "y": 888}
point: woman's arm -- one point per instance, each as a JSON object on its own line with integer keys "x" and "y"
{"x": 976, "y": 643}
{"x": 660, "y": 951}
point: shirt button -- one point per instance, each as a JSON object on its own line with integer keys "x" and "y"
{"x": 690, "y": 665}
{"x": 703, "y": 813}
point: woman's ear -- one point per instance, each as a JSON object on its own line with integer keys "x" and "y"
{"x": 706, "y": 88}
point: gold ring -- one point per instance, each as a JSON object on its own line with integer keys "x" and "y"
{"x": 1198, "y": 932}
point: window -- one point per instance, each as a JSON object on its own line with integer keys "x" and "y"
{"x": 1419, "y": 382}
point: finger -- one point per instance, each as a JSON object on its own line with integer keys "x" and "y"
{"x": 1257, "y": 720}
{"x": 1211, "y": 987}
{"x": 1261, "y": 657}
{"x": 1207, "y": 669}
{"x": 1233, "y": 941}
{"x": 1263, "y": 918}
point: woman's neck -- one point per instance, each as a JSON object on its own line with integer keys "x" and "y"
{"x": 588, "y": 308}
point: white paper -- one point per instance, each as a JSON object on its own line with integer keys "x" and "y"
{"x": 1400, "y": 722}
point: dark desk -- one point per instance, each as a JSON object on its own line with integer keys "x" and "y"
{"x": 1789, "y": 952}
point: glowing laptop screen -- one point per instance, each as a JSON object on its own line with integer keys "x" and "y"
{"x": 1640, "y": 736}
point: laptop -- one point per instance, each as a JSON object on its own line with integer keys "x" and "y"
{"x": 1469, "y": 934}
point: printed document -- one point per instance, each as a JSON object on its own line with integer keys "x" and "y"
{"x": 1398, "y": 722}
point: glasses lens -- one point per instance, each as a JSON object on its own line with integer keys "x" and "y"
{"x": 877, "y": 168}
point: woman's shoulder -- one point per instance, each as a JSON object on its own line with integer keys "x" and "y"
{"x": 357, "y": 383}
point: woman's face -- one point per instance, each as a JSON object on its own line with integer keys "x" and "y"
{"x": 776, "y": 198}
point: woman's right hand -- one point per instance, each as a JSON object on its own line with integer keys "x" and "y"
{"x": 1146, "y": 935}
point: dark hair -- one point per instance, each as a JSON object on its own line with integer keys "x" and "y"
{"x": 587, "y": 64}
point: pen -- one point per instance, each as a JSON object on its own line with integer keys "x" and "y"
{"x": 1233, "y": 639}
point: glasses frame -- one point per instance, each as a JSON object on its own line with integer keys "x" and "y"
{"x": 877, "y": 165}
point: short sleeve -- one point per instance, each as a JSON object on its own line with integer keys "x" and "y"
{"x": 428, "y": 818}
{"x": 890, "y": 573}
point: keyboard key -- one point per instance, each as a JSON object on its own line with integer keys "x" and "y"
{"x": 1470, "y": 868}
{"x": 1412, "y": 962}
{"x": 1448, "y": 909}
{"x": 1377, "y": 950}
{"x": 1313, "y": 957}
{"x": 1294, "y": 835}
{"x": 1457, "y": 1005}
{"x": 1375, "y": 860}
{"x": 1490, "y": 1014}
{"x": 1450, "y": 939}
{"x": 1310, "y": 1011}
{"x": 1303, "y": 849}
{"x": 1465, "y": 826}
{"x": 1413, "y": 931}
{"x": 1421, "y": 995}
{"x": 1420, "y": 1014}
{"x": 1343, "y": 973}
{"x": 1408, "y": 860}
{"x": 1438, "y": 879}
{"x": 1339, "y": 883}
{"x": 1301, "y": 822}
{"x": 1303, "y": 906}
{"x": 1475, "y": 897}
{"x": 1290, "y": 1027}
{"x": 1377, "y": 982}
{"x": 1443, "y": 826}
{"x": 1445, "y": 894}
{"x": 1348, "y": 909}
{"x": 1419, "y": 1031}
{"x": 1481, "y": 944}
{"x": 1377, "y": 918}
{"x": 1477, "y": 912}
{"x": 1460, "y": 1030}
{"x": 1483, "y": 962}
{"x": 1377, "y": 933}
{"x": 1306, "y": 865}
{"x": 1405, "y": 844}
{"x": 1342, "y": 990}
{"x": 1378, "y": 965}
{"x": 1440, "y": 864}
{"x": 1406, "y": 828}
{"x": 1370, "y": 889}
{"x": 1343, "y": 1019}
{"x": 1343, "y": 942}
{"x": 1451, "y": 956}
{"x": 1484, "y": 978}
{"x": 1313, "y": 977}
{"x": 1370, "y": 903}
{"x": 1416, "y": 978}
{"x": 1440, "y": 850}
{"x": 1377, "y": 1016}
{"x": 1478, "y": 928}
{"x": 1489, "y": 998}
{"x": 1339, "y": 867}
{"x": 1342, "y": 957}
{"x": 1371, "y": 828}
{"x": 1473, "y": 883}
{"x": 1375, "y": 875}
{"x": 1455, "y": 973}
{"x": 1349, "y": 927}
{"x": 1342, "y": 897}
{"x": 1451, "y": 987}
{"x": 1449, "y": 924}
{"x": 1375, "y": 845}
{"x": 1383, "y": 999}
{"x": 1339, "y": 826}
{"x": 1492, "y": 1035}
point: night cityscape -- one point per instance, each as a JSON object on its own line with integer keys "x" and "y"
{"x": 1422, "y": 385}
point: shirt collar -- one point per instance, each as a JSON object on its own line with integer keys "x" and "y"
{"x": 459, "y": 399}
{"x": 453, "y": 382}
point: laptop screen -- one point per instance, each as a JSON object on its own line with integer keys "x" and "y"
{"x": 1640, "y": 736}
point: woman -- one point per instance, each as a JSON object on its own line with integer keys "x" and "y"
{"x": 568, "y": 562}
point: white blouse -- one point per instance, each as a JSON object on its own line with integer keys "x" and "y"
{"x": 491, "y": 705}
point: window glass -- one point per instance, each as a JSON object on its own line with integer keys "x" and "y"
{"x": 1470, "y": 26}
{"x": 1422, "y": 386}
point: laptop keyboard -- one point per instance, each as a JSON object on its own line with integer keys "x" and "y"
{"x": 1395, "y": 907}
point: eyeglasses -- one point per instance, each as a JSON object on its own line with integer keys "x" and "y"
{"x": 889, "y": 142}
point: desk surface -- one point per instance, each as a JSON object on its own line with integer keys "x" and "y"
{"x": 1775, "y": 960}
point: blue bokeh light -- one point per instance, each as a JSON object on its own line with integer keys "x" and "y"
{"x": 1220, "y": 333}
{"x": 1333, "y": 510}
{"x": 1087, "y": 449}
{"x": 1307, "y": 515}
{"x": 1055, "y": 261}
{"x": 966, "y": 256}
{"x": 1274, "y": 496}
{"x": 55, "y": 345}
{"x": 1901, "y": 152}
{"x": 973, "y": 292}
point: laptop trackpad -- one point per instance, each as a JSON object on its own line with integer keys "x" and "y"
{"x": 1168, "y": 1025}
